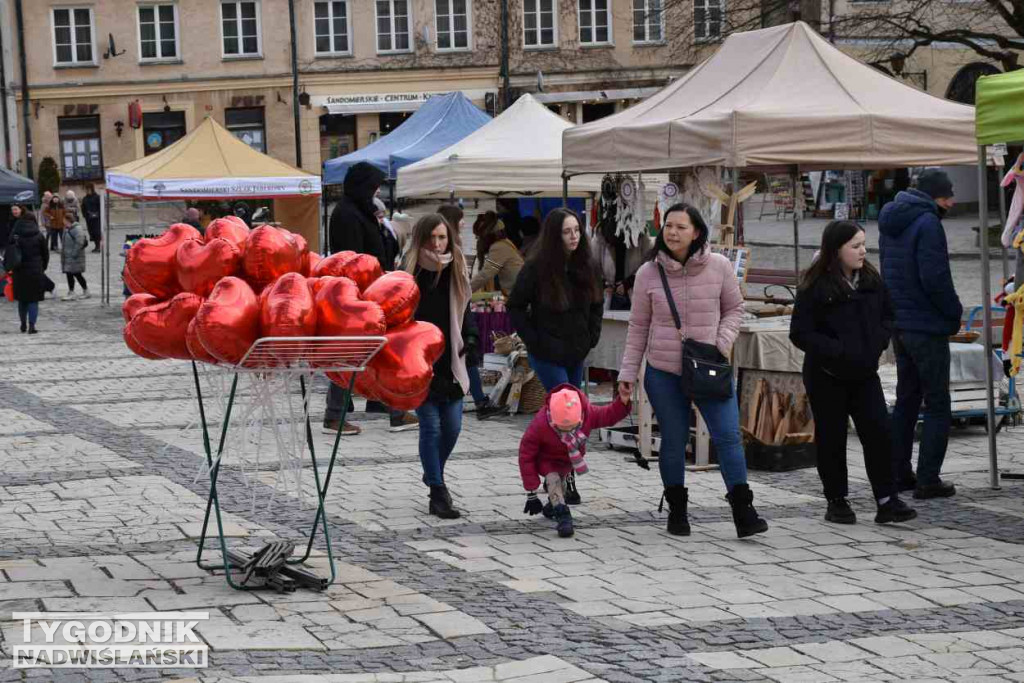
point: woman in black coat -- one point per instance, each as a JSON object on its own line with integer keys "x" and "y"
{"x": 556, "y": 304}
{"x": 30, "y": 281}
{"x": 843, "y": 320}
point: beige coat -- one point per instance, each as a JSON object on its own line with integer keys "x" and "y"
{"x": 503, "y": 261}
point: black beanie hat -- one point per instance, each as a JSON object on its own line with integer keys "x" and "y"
{"x": 935, "y": 183}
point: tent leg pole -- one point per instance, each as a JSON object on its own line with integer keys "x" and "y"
{"x": 105, "y": 236}
{"x": 1002, "y": 221}
{"x": 986, "y": 297}
{"x": 796, "y": 226}
{"x": 565, "y": 190}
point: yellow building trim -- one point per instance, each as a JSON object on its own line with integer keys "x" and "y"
{"x": 413, "y": 79}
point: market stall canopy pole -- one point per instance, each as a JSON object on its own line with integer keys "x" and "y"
{"x": 777, "y": 96}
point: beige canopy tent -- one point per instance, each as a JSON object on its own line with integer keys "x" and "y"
{"x": 210, "y": 163}
{"x": 516, "y": 154}
{"x": 781, "y": 96}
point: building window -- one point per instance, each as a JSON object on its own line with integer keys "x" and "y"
{"x": 539, "y": 23}
{"x": 247, "y": 125}
{"x": 452, "y": 24}
{"x": 392, "y": 25}
{"x": 648, "y": 26}
{"x": 595, "y": 22}
{"x": 80, "y": 148}
{"x": 388, "y": 121}
{"x": 331, "y": 27}
{"x": 240, "y": 26}
{"x": 707, "y": 19}
{"x": 160, "y": 129}
{"x": 72, "y": 35}
{"x": 158, "y": 32}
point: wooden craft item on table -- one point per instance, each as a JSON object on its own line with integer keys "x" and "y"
{"x": 727, "y": 230}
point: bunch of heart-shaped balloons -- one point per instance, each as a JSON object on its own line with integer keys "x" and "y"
{"x": 210, "y": 298}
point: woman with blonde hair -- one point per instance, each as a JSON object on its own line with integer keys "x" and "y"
{"x": 436, "y": 260}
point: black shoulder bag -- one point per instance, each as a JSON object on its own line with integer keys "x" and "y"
{"x": 707, "y": 374}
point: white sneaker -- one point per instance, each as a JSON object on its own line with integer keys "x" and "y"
{"x": 70, "y": 296}
{"x": 85, "y": 294}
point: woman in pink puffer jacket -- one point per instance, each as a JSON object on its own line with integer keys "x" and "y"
{"x": 707, "y": 295}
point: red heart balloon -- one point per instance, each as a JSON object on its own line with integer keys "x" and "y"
{"x": 341, "y": 313}
{"x": 228, "y": 322}
{"x": 195, "y": 347}
{"x": 161, "y": 328}
{"x": 298, "y": 240}
{"x": 200, "y": 266}
{"x": 231, "y": 228}
{"x": 403, "y": 369}
{"x": 362, "y": 269}
{"x": 309, "y": 261}
{"x": 398, "y": 294}
{"x": 288, "y": 309}
{"x": 150, "y": 262}
{"x": 135, "y": 303}
{"x": 269, "y": 254}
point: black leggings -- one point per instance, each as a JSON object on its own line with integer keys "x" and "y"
{"x": 72, "y": 278}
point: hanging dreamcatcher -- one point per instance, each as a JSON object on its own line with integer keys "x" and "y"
{"x": 631, "y": 215}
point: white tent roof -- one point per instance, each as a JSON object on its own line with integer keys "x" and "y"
{"x": 517, "y": 153}
{"x": 778, "y": 96}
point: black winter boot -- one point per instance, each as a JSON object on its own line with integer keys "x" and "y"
{"x": 441, "y": 503}
{"x": 563, "y": 517}
{"x": 744, "y": 516}
{"x": 572, "y": 495}
{"x": 678, "y": 523}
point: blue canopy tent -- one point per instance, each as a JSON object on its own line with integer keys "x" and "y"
{"x": 16, "y": 189}
{"x": 442, "y": 121}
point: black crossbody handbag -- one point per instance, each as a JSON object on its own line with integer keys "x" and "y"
{"x": 707, "y": 374}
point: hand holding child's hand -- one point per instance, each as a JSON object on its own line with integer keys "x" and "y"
{"x": 533, "y": 504}
{"x": 625, "y": 392}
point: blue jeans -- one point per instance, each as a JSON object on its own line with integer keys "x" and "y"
{"x": 476, "y": 385}
{"x": 551, "y": 374}
{"x": 28, "y": 310}
{"x": 440, "y": 424}
{"x": 672, "y": 409}
{"x": 922, "y": 371}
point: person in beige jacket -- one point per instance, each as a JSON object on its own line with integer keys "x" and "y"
{"x": 497, "y": 256}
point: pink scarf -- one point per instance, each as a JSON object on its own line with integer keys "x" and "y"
{"x": 574, "y": 441}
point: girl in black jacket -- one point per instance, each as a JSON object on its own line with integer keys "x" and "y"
{"x": 557, "y": 303}
{"x": 843, "y": 320}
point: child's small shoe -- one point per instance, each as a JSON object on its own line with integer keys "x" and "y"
{"x": 548, "y": 511}
{"x": 563, "y": 517}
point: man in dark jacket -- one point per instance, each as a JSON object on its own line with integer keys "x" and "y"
{"x": 355, "y": 227}
{"x": 91, "y": 210}
{"x": 915, "y": 267}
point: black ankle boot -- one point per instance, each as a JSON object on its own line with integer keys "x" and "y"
{"x": 572, "y": 495}
{"x": 678, "y": 523}
{"x": 441, "y": 503}
{"x": 744, "y": 516}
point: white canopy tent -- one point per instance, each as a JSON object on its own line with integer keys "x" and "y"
{"x": 516, "y": 154}
{"x": 780, "y": 96}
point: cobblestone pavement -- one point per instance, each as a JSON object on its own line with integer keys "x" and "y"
{"x": 104, "y": 487}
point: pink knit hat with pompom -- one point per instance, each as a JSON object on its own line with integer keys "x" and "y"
{"x": 566, "y": 409}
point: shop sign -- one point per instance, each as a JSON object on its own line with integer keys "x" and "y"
{"x": 397, "y": 101}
